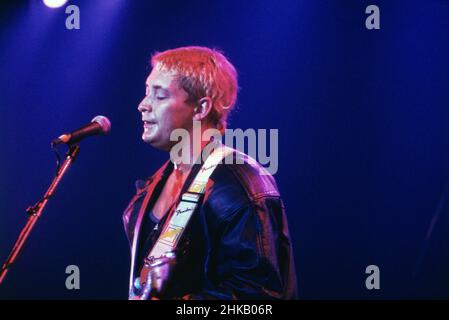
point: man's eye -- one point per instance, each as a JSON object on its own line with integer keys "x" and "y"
{"x": 160, "y": 97}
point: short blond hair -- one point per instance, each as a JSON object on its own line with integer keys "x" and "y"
{"x": 203, "y": 72}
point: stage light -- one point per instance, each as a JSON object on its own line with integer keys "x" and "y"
{"x": 54, "y": 3}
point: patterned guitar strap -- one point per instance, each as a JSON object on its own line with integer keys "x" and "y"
{"x": 174, "y": 229}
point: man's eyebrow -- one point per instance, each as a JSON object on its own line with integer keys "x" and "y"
{"x": 155, "y": 87}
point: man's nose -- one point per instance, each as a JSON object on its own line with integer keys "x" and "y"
{"x": 144, "y": 106}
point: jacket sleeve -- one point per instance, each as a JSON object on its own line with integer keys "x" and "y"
{"x": 252, "y": 258}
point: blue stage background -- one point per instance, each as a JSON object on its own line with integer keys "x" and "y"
{"x": 363, "y": 119}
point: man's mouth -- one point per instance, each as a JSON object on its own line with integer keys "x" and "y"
{"x": 148, "y": 124}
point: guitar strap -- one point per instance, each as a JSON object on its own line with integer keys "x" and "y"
{"x": 180, "y": 218}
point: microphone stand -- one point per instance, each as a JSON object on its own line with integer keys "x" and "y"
{"x": 36, "y": 211}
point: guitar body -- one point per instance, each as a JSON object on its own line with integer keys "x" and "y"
{"x": 154, "y": 277}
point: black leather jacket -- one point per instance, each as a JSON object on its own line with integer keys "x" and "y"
{"x": 237, "y": 245}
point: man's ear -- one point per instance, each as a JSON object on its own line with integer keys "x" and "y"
{"x": 202, "y": 109}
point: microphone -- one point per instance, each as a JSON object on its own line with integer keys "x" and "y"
{"x": 98, "y": 125}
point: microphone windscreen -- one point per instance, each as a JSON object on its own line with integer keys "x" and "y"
{"x": 104, "y": 123}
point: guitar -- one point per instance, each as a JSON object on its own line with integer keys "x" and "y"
{"x": 153, "y": 277}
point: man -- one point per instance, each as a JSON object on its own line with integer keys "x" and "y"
{"x": 237, "y": 243}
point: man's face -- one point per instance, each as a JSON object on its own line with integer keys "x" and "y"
{"x": 164, "y": 109}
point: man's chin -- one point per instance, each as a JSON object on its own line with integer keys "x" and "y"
{"x": 155, "y": 143}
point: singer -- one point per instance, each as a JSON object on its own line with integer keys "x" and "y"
{"x": 206, "y": 229}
